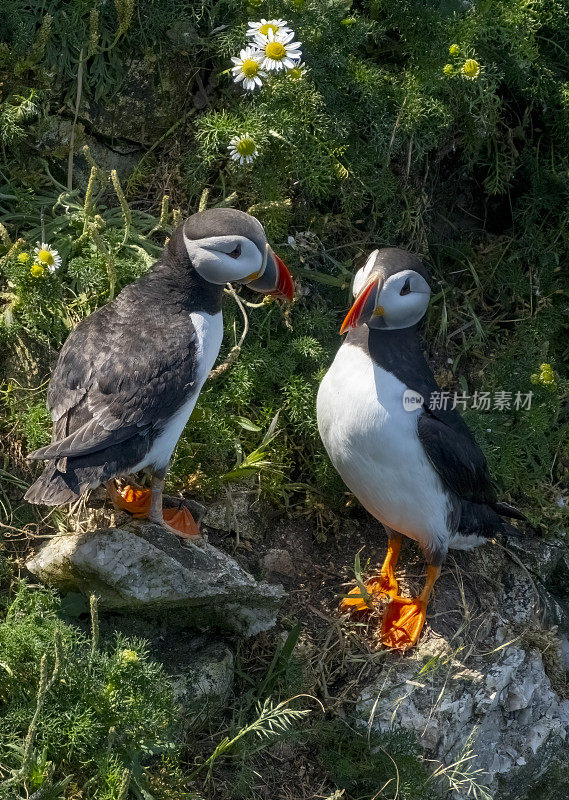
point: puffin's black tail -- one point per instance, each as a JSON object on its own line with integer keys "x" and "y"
{"x": 506, "y": 510}
{"x": 50, "y": 489}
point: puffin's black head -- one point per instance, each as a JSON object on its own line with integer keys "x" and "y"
{"x": 229, "y": 246}
{"x": 391, "y": 291}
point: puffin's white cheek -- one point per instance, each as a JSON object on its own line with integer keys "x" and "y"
{"x": 213, "y": 269}
{"x": 406, "y": 312}
{"x": 221, "y": 268}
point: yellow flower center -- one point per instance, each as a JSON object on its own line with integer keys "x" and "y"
{"x": 454, "y": 49}
{"x": 245, "y": 147}
{"x": 250, "y": 67}
{"x": 471, "y": 68}
{"x": 448, "y": 69}
{"x": 36, "y": 270}
{"x": 264, "y": 29}
{"x": 276, "y": 51}
{"x": 23, "y": 258}
{"x": 46, "y": 257}
{"x": 295, "y": 73}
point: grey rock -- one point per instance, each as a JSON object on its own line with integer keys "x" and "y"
{"x": 122, "y": 156}
{"x": 503, "y": 712}
{"x": 145, "y": 108}
{"x": 237, "y": 509}
{"x": 277, "y": 561}
{"x": 483, "y": 696}
{"x": 540, "y": 556}
{"x": 203, "y": 682}
{"x": 142, "y": 567}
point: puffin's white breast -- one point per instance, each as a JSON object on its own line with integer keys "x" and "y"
{"x": 209, "y": 334}
{"x": 373, "y": 443}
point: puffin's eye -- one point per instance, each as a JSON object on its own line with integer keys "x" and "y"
{"x": 236, "y": 252}
{"x": 406, "y": 287}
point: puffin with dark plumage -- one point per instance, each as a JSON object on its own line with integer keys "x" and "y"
{"x": 128, "y": 377}
{"x": 416, "y": 470}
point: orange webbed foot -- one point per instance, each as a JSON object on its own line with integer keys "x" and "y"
{"x": 382, "y": 586}
{"x": 405, "y": 616}
{"x": 182, "y": 523}
{"x": 403, "y": 622}
{"x": 131, "y": 498}
{"x": 137, "y": 501}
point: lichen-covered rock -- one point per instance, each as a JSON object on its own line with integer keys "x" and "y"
{"x": 203, "y": 682}
{"x": 144, "y": 109}
{"x": 143, "y": 567}
{"x": 489, "y": 694}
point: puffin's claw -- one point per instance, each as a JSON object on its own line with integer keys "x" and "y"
{"x": 383, "y": 584}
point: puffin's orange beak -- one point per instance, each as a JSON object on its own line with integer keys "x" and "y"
{"x": 285, "y": 285}
{"x": 275, "y": 278}
{"x": 354, "y": 317}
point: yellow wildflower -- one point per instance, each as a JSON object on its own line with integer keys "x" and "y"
{"x": 471, "y": 69}
{"x": 37, "y": 270}
{"x": 47, "y": 256}
{"x": 545, "y": 377}
{"x": 296, "y": 73}
{"x": 448, "y": 69}
{"x": 454, "y": 49}
{"x": 129, "y": 656}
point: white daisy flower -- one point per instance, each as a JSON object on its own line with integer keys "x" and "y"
{"x": 278, "y": 51}
{"x": 243, "y": 149}
{"x": 297, "y": 72}
{"x": 248, "y": 68}
{"x": 266, "y": 25}
{"x": 47, "y": 256}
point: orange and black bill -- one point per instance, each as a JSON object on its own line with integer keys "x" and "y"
{"x": 362, "y": 308}
{"x": 276, "y": 279}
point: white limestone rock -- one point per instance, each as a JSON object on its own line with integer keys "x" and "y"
{"x": 140, "y": 567}
{"x": 485, "y": 694}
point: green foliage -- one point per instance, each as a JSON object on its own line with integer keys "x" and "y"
{"x": 381, "y": 765}
{"x": 80, "y": 714}
{"x": 385, "y": 139}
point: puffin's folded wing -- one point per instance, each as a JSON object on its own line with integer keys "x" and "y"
{"x": 120, "y": 372}
{"x": 456, "y": 457}
{"x": 89, "y": 438}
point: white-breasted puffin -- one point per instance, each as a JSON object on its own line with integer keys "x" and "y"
{"x": 128, "y": 376}
{"x": 416, "y": 470}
